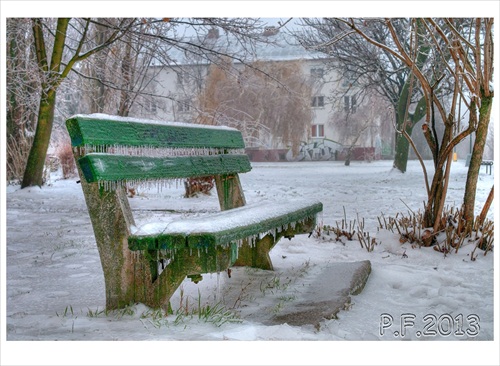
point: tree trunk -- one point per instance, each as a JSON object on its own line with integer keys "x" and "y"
{"x": 12, "y": 116}
{"x": 404, "y": 119}
{"x": 440, "y": 181}
{"x": 33, "y": 175}
{"x": 126, "y": 74}
{"x": 347, "y": 161}
{"x": 402, "y": 150}
{"x": 98, "y": 71}
{"x": 435, "y": 195}
{"x": 475, "y": 161}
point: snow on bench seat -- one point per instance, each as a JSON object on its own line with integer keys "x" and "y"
{"x": 223, "y": 227}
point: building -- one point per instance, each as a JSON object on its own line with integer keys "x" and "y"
{"x": 331, "y": 101}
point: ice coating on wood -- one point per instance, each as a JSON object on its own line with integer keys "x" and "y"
{"x": 118, "y": 151}
{"x": 103, "y": 130}
{"x": 112, "y": 118}
{"x": 152, "y": 151}
{"x": 113, "y": 152}
{"x": 120, "y": 169}
{"x": 247, "y": 222}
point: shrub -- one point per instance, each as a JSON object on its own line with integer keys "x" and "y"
{"x": 66, "y": 159}
{"x": 17, "y": 156}
{"x": 198, "y": 185}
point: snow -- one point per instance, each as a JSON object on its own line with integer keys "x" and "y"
{"x": 54, "y": 286}
{"x": 114, "y": 118}
{"x": 226, "y": 220}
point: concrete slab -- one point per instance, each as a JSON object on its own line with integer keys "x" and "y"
{"x": 326, "y": 294}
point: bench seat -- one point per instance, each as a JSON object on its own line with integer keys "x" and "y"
{"x": 223, "y": 227}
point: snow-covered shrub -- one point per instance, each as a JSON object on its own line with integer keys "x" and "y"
{"x": 347, "y": 230}
{"x": 410, "y": 228}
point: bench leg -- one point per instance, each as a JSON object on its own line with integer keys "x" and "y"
{"x": 156, "y": 290}
{"x": 229, "y": 191}
{"x": 153, "y": 290}
{"x": 256, "y": 255}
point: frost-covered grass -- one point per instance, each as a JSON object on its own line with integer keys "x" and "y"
{"x": 55, "y": 286}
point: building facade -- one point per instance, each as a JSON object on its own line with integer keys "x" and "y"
{"x": 338, "y": 123}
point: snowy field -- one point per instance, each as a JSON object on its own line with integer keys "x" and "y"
{"x": 55, "y": 287}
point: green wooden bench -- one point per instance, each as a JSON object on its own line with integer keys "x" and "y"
{"x": 147, "y": 264}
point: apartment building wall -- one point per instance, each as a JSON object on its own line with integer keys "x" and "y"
{"x": 175, "y": 90}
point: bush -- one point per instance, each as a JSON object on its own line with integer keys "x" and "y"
{"x": 66, "y": 159}
{"x": 17, "y": 156}
{"x": 198, "y": 185}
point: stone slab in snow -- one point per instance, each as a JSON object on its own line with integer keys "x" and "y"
{"x": 326, "y": 294}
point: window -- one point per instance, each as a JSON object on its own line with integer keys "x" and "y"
{"x": 318, "y": 102}
{"x": 182, "y": 77}
{"x": 151, "y": 106}
{"x": 348, "y": 79}
{"x": 183, "y": 106}
{"x": 318, "y": 131}
{"x": 317, "y": 73}
{"x": 350, "y": 104}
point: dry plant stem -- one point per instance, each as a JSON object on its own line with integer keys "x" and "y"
{"x": 486, "y": 207}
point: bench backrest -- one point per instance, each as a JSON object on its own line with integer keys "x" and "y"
{"x": 115, "y": 149}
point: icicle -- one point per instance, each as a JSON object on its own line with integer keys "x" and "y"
{"x": 217, "y": 294}
{"x": 152, "y": 151}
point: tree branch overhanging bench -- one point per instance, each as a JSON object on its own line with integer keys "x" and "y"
{"x": 148, "y": 264}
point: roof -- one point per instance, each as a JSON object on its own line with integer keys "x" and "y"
{"x": 278, "y": 46}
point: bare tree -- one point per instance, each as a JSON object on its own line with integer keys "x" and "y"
{"x": 356, "y": 122}
{"x": 465, "y": 46}
{"x": 22, "y": 102}
{"x": 139, "y": 44}
{"x": 53, "y": 69}
{"x": 270, "y": 112}
{"x": 363, "y": 68}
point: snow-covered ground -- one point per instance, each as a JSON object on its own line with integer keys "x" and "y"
{"x": 55, "y": 289}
